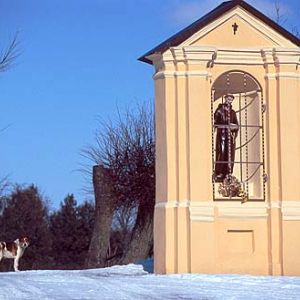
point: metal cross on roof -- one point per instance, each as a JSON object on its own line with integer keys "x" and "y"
{"x": 235, "y": 28}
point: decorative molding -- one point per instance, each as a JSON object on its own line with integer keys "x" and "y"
{"x": 156, "y": 58}
{"x": 178, "y": 54}
{"x": 277, "y": 205}
{"x": 192, "y": 55}
{"x": 202, "y": 211}
{"x": 163, "y": 74}
{"x": 202, "y": 214}
{"x": 270, "y": 76}
{"x": 245, "y": 211}
{"x": 172, "y": 74}
{"x": 239, "y": 56}
{"x": 284, "y": 56}
{"x": 267, "y": 56}
{"x": 199, "y": 74}
{"x": 180, "y": 74}
{"x": 291, "y": 210}
{"x": 173, "y": 204}
{"x": 286, "y": 75}
{"x": 208, "y": 56}
{"x": 168, "y": 56}
{"x": 200, "y": 54}
{"x": 169, "y": 204}
{"x": 184, "y": 203}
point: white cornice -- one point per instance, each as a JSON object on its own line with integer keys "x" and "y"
{"x": 285, "y": 75}
{"x": 202, "y": 214}
{"x": 267, "y": 55}
{"x": 195, "y": 54}
{"x": 180, "y": 74}
{"x": 245, "y": 211}
{"x": 239, "y": 56}
{"x": 283, "y": 56}
{"x": 203, "y": 211}
{"x": 163, "y": 74}
{"x": 206, "y": 57}
{"x": 291, "y": 210}
{"x": 276, "y": 204}
{"x": 178, "y": 54}
{"x": 270, "y": 76}
{"x": 173, "y": 74}
{"x": 172, "y": 204}
{"x": 288, "y": 75}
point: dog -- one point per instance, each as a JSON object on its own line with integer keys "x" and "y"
{"x": 14, "y": 250}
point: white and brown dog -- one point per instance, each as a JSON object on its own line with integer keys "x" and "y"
{"x": 14, "y": 250}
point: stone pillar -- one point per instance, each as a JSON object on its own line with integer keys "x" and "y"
{"x": 182, "y": 216}
{"x": 166, "y": 162}
{"x": 287, "y": 62}
{"x": 273, "y": 188}
{"x": 200, "y": 154}
{"x": 182, "y": 114}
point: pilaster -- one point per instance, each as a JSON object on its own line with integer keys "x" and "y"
{"x": 199, "y": 60}
{"x": 287, "y": 62}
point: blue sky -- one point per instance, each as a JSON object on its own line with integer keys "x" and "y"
{"x": 79, "y": 61}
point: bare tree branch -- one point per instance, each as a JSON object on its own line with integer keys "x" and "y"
{"x": 4, "y": 128}
{"x": 296, "y": 31}
{"x": 9, "y": 56}
{"x": 5, "y": 184}
{"x": 280, "y": 17}
{"x": 296, "y": 28}
{"x": 125, "y": 147}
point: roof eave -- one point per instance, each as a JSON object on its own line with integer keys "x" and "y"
{"x": 223, "y": 8}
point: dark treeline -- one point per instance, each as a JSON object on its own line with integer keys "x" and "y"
{"x": 59, "y": 239}
{"x": 115, "y": 229}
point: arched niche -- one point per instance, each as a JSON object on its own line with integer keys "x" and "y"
{"x": 245, "y": 178}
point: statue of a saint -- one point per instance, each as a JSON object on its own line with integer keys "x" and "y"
{"x": 227, "y": 126}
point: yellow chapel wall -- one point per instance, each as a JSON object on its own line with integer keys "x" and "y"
{"x": 193, "y": 233}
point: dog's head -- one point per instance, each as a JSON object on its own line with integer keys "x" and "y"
{"x": 23, "y": 242}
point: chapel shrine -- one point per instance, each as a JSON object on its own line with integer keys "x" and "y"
{"x": 227, "y": 107}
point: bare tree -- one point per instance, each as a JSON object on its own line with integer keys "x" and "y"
{"x": 126, "y": 151}
{"x": 4, "y": 187}
{"x": 280, "y": 16}
{"x": 7, "y": 60}
{"x": 296, "y": 31}
{"x": 105, "y": 204}
{"x": 296, "y": 28}
{"x": 10, "y": 54}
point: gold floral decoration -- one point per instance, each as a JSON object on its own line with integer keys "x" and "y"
{"x": 231, "y": 187}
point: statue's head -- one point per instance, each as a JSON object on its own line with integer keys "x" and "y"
{"x": 229, "y": 98}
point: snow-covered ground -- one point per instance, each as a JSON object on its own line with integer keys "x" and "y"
{"x": 132, "y": 282}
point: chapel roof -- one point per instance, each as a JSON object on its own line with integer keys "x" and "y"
{"x": 217, "y": 12}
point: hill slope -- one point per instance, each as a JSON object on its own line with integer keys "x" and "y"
{"x": 132, "y": 282}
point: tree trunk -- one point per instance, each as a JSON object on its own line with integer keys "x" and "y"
{"x": 141, "y": 242}
{"x": 105, "y": 201}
